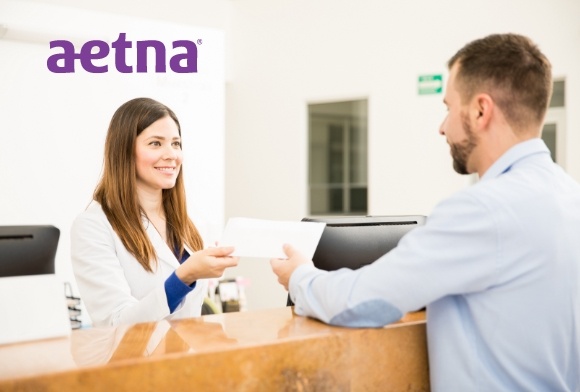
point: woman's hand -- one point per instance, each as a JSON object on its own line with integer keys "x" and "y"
{"x": 207, "y": 263}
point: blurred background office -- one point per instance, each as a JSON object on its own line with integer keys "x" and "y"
{"x": 298, "y": 108}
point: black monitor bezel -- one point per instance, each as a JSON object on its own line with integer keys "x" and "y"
{"x": 383, "y": 222}
{"x": 332, "y": 222}
{"x": 28, "y": 250}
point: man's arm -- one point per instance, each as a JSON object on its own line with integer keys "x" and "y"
{"x": 456, "y": 252}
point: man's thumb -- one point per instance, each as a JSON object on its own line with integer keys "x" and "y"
{"x": 289, "y": 250}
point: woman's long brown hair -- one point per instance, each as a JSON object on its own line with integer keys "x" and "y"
{"x": 117, "y": 191}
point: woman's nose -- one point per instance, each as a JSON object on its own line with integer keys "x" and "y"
{"x": 170, "y": 153}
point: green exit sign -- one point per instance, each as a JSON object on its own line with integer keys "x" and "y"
{"x": 430, "y": 84}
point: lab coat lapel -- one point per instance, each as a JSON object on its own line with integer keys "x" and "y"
{"x": 164, "y": 254}
{"x": 188, "y": 250}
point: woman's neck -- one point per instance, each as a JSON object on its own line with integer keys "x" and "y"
{"x": 151, "y": 202}
{"x": 152, "y": 205}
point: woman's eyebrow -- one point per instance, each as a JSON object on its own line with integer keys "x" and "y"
{"x": 163, "y": 137}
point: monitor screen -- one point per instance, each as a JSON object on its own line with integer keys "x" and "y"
{"x": 27, "y": 250}
{"x": 353, "y": 242}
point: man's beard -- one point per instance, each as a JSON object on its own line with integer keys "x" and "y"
{"x": 461, "y": 151}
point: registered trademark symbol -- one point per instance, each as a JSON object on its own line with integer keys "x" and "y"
{"x": 199, "y": 41}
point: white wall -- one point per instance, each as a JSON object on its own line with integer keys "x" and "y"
{"x": 54, "y": 125}
{"x": 289, "y": 53}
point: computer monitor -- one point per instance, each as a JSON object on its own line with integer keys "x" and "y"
{"x": 355, "y": 241}
{"x": 27, "y": 250}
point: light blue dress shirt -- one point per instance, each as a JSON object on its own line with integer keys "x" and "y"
{"x": 498, "y": 266}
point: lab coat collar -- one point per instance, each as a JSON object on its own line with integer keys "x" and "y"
{"x": 164, "y": 253}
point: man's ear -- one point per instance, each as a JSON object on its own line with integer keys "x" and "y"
{"x": 482, "y": 110}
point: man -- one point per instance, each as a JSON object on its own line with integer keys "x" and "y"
{"x": 497, "y": 264}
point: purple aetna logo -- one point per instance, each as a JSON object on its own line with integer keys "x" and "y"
{"x": 92, "y": 53}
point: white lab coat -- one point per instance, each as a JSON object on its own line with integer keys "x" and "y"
{"x": 114, "y": 287}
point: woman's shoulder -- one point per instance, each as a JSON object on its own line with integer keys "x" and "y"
{"x": 90, "y": 224}
{"x": 94, "y": 210}
{"x": 93, "y": 214}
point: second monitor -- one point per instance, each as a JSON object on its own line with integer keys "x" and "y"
{"x": 352, "y": 242}
{"x": 27, "y": 250}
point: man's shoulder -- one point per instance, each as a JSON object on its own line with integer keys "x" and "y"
{"x": 518, "y": 192}
{"x": 482, "y": 198}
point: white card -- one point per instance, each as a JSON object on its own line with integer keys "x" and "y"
{"x": 265, "y": 238}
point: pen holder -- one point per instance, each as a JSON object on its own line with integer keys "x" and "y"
{"x": 73, "y": 303}
{"x": 229, "y": 294}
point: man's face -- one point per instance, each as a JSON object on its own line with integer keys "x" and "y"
{"x": 457, "y": 129}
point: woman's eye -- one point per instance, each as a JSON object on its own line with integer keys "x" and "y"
{"x": 155, "y": 143}
{"x": 177, "y": 144}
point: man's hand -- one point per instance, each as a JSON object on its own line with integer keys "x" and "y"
{"x": 284, "y": 268}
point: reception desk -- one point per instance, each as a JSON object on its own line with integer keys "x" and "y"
{"x": 271, "y": 350}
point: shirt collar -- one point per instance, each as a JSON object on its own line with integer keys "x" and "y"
{"x": 514, "y": 154}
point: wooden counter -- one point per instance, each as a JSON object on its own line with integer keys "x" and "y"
{"x": 272, "y": 350}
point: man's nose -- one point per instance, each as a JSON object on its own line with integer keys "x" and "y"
{"x": 442, "y": 127}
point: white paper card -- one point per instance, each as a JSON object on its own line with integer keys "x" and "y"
{"x": 265, "y": 238}
{"x": 32, "y": 307}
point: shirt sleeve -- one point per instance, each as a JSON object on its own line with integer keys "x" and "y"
{"x": 454, "y": 253}
{"x": 176, "y": 291}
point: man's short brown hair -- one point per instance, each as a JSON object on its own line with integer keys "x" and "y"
{"x": 512, "y": 70}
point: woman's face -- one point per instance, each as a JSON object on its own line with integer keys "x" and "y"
{"x": 158, "y": 156}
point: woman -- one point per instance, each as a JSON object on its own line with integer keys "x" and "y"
{"x": 136, "y": 254}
